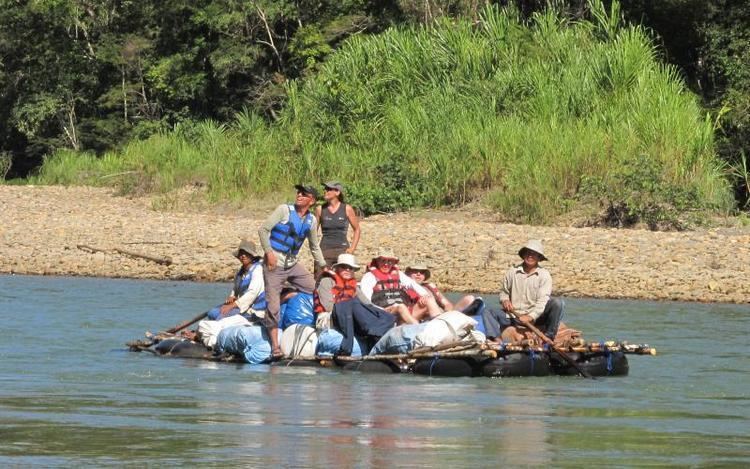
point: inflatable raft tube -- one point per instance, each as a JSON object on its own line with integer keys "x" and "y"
{"x": 182, "y": 348}
{"x": 517, "y": 364}
{"x": 372, "y": 366}
{"x": 297, "y": 362}
{"x": 451, "y": 367}
{"x": 594, "y": 363}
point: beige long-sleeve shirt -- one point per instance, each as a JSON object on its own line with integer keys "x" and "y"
{"x": 528, "y": 293}
{"x": 281, "y": 215}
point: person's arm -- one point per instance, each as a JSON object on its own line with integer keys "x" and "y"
{"x": 318, "y": 212}
{"x": 314, "y": 243}
{"x": 442, "y": 301}
{"x": 280, "y": 215}
{"x": 325, "y": 296}
{"x": 361, "y": 296}
{"x": 354, "y": 221}
{"x": 256, "y": 288}
{"x": 408, "y": 282}
{"x": 543, "y": 295}
{"x": 505, "y": 288}
{"x": 366, "y": 285}
{"x": 230, "y": 298}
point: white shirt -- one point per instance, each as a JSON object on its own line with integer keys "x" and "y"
{"x": 255, "y": 288}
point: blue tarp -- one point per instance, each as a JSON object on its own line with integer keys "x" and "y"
{"x": 250, "y": 342}
{"x": 329, "y": 342}
{"x": 298, "y": 310}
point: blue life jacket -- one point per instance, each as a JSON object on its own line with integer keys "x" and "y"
{"x": 288, "y": 237}
{"x": 242, "y": 283}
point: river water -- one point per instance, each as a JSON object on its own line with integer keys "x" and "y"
{"x": 71, "y": 394}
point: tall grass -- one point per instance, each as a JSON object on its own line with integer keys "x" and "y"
{"x": 516, "y": 114}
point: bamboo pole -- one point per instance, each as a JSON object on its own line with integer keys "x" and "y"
{"x": 632, "y": 349}
{"x": 554, "y": 347}
{"x": 407, "y": 356}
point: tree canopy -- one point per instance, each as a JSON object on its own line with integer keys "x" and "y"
{"x": 94, "y": 75}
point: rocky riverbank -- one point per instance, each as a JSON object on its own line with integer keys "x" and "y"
{"x": 87, "y": 231}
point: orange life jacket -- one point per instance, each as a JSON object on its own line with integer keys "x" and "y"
{"x": 342, "y": 290}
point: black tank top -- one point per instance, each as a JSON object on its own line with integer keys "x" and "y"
{"x": 334, "y": 227}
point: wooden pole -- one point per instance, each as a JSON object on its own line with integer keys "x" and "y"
{"x": 407, "y": 356}
{"x": 552, "y": 345}
{"x": 185, "y": 324}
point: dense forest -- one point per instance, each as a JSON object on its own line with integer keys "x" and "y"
{"x": 284, "y": 89}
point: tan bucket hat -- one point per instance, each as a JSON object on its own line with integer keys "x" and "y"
{"x": 419, "y": 266}
{"x": 533, "y": 245}
{"x": 346, "y": 259}
{"x": 249, "y": 247}
{"x": 385, "y": 253}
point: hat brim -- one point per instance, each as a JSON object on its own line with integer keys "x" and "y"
{"x": 426, "y": 272}
{"x": 394, "y": 259}
{"x": 522, "y": 250}
{"x": 251, "y": 254}
{"x": 355, "y": 267}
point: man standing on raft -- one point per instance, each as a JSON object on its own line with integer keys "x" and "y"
{"x": 526, "y": 291}
{"x": 281, "y": 237}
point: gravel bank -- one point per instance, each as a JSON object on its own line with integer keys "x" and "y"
{"x": 49, "y": 230}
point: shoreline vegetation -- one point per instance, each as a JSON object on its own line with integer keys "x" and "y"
{"x": 50, "y": 230}
{"x": 460, "y": 139}
{"x": 533, "y": 120}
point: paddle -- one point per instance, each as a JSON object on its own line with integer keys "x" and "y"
{"x": 185, "y": 324}
{"x": 552, "y": 345}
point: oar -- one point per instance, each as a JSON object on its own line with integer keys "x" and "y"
{"x": 185, "y": 324}
{"x": 552, "y": 345}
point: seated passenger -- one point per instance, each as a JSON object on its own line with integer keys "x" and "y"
{"x": 340, "y": 305}
{"x": 335, "y": 286}
{"x": 420, "y": 273}
{"x": 526, "y": 292}
{"x": 385, "y": 286}
{"x": 246, "y": 300}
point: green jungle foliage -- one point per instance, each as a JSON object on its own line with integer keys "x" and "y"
{"x": 92, "y": 76}
{"x": 709, "y": 42}
{"x": 519, "y": 112}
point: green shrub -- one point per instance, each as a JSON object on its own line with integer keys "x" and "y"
{"x": 638, "y": 192}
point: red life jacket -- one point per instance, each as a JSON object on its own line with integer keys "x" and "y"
{"x": 431, "y": 287}
{"x": 387, "y": 290}
{"x": 342, "y": 290}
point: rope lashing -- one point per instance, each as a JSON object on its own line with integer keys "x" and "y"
{"x": 608, "y": 354}
{"x": 434, "y": 360}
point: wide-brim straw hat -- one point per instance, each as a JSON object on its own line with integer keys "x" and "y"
{"x": 346, "y": 259}
{"x": 419, "y": 266}
{"x": 533, "y": 245}
{"x": 249, "y": 247}
{"x": 384, "y": 253}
